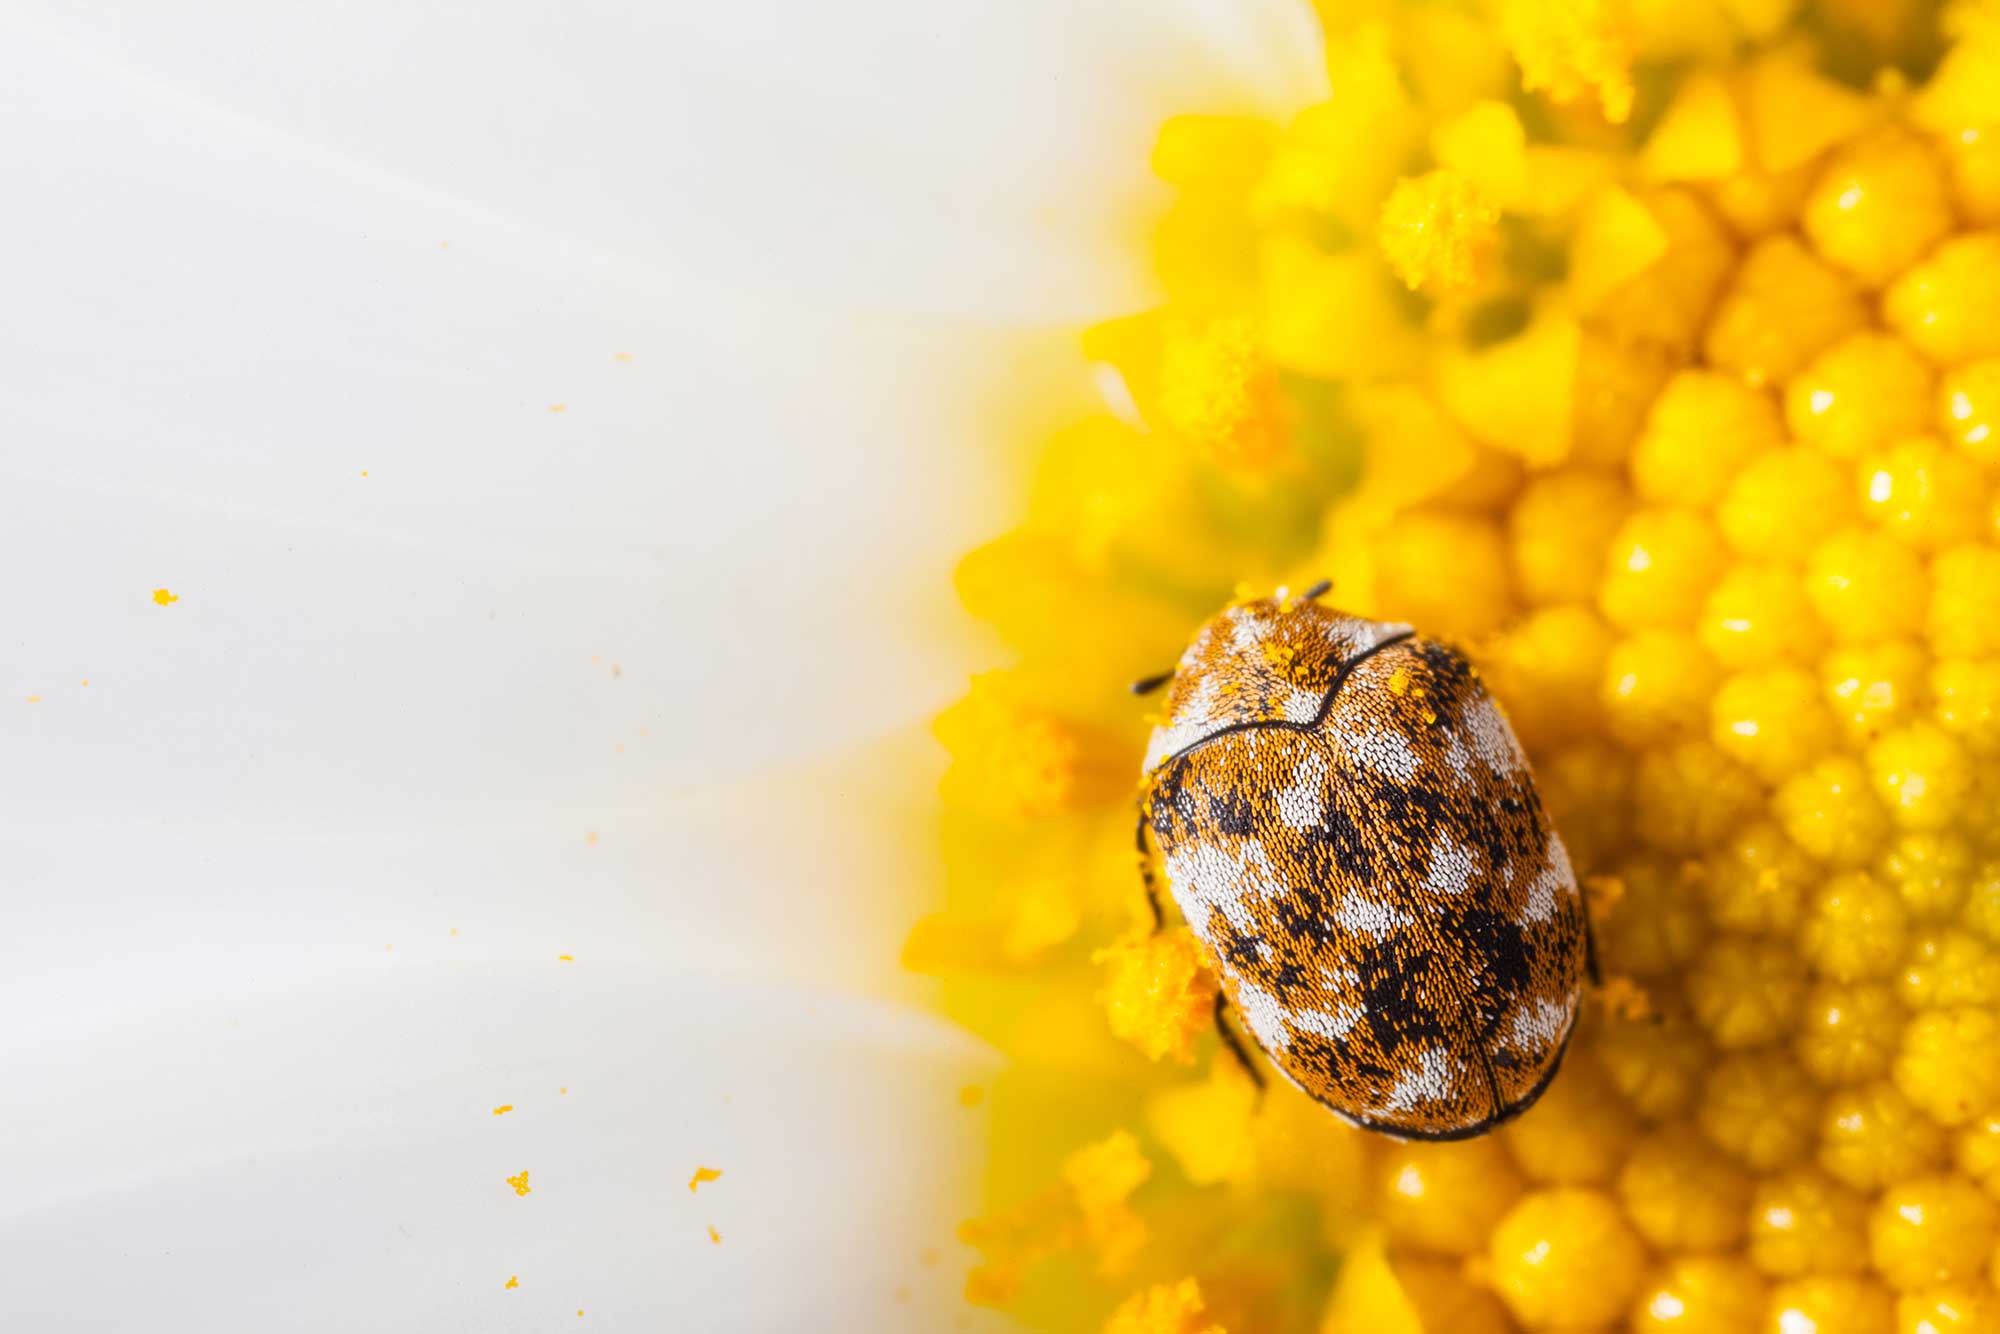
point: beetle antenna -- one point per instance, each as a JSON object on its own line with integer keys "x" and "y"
{"x": 1146, "y": 685}
{"x": 1317, "y": 591}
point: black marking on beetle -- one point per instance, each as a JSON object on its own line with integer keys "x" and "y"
{"x": 1336, "y": 844}
{"x": 1393, "y": 973}
{"x": 1240, "y": 947}
{"x": 1162, "y": 804}
{"x": 1232, "y": 813}
{"x": 1305, "y": 913}
{"x": 1281, "y": 978}
{"x": 1503, "y": 949}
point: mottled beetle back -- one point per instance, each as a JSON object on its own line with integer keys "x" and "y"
{"x": 1347, "y": 822}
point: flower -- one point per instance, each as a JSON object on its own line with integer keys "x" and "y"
{"x": 641, "y": 683}
{"x": 1648, "y": 352}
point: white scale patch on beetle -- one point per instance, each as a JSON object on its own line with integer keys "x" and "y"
{"x": 1492, "y": 740}
{"x": 1453, "y": 867}
{"x": 1214, "y": 879}
{"x": 1301, "y": 706}
{"x": 1265, "y": 1017}
{"x": 1353, "y": 635}
{"x": 1369, "y": 917}
{"x": 1303, "y": 805}
{"x": 1194, "y": 719}
{"x": 1537, "y": 1024}
{"x": 1433, "y": 1080}
{"x": 1387, "y": 753}
{"x": 1332, "y": 1027}
{"x": 1556, "y": 879}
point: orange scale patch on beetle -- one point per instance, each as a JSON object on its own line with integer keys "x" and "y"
{"x": 1390, "y": 911}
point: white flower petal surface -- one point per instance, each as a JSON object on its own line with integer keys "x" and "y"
{"x": 555, "y": 424}
{"x": 328, "y": 1158}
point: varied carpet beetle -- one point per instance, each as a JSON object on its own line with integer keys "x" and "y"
{"x": 1347, "y": 823}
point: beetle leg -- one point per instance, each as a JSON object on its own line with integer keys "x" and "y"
{"x": 1234, "y": 1043}
{"x": 1317, "y": 591}
{"x": 1146, "y": 876}
{"x": 1146, "y": 685}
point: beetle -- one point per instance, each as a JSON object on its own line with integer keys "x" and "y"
{"x": 1347, "y": 823}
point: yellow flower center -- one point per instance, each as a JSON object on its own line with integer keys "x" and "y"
{"x": 1649, "y": 352}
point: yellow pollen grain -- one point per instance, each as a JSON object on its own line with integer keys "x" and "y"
{"x": 621, "y": 356}
{"x": 1438, "y": 231}
{"x": 1571, "y": 48}
{"x": 520, "y": 1183}
{"x": 1399, "y": 682}
{"x": 702, "y": 1174}
{"x": 713, "y": 1235}
{"x": 164, "y": 597}
{"x": 34, "y": 699}
{"x": 566, "y": 958}
{"x": 1158, "y": 992}
{"x": 514, "y": 1281}
{"x": 1220, "y": 394}
{"x": 558, "y": 407}
{"x": 503, "y": 1109}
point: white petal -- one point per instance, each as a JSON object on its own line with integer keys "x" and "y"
{"x": 328, "y": 1158}
{"x": 985, "y": 160}
{"x": 241, "y": 301}
{"x": 253, "y": 253}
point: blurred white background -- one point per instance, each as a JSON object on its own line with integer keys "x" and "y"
{"x": 557, "y": 423}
